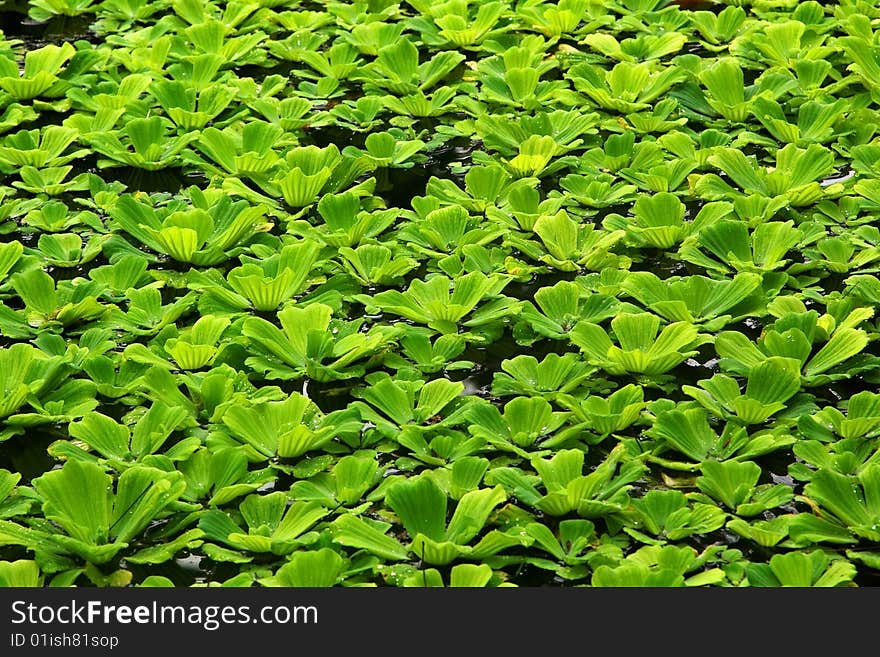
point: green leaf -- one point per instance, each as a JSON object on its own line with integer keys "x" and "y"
{"x": 843, "y": 344}
{"x": 353, "y": 531}
{"x": 471, "y": 513}
{"x": 21, "y": 573}
{"x": 78, "y": 497}
{"x": 730, "y": 482}
{"x": 316, "y": 569}
{"x": 421, "y": 506}
{"x": 469, "y": 575}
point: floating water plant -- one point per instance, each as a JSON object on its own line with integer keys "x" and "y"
{"x": 465, "y": 294}
{"x": 642, "y": 347}
{"x": 99, "y": 524}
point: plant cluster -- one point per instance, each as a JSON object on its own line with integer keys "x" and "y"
{"x": 469, "y": 293}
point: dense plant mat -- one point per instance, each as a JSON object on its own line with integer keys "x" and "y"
{"x": 439, "y": 294}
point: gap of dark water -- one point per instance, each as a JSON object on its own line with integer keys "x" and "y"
{"x": 35, "y": 34}
{"x": 26, "y": 453}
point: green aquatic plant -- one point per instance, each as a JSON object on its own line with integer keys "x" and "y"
{"x": 663, "y": 117}
{"x": 459, "y": 23}
{"x": 219, "y": 476}
{"x": 211, "y": 36}
{"x": 554, "y": 20}
{"x": 191, "y": 108}
{"x": 308, "y": 172}
{"x": 605, "y": 416}
{"x": 728, "y": 95}
{"x": 802, "y": 569}
{"x": 369, "y": 35}
{"x": 141, "y": 311}
{"x": 568, "y": 245}
{"x": 769, "y": 384}
{"x": 533, "y": 158}
{"x": 641, "y": 48}
{"x": 466, "y": 294}
{"x": 388, "y": 149}
{"x": 40, "y": 75}
{"x": 346, "y": 483}
{"x": 663, "y": 566}
{"x": 268, "y": 282}
{"x": 54, "y": 216}
{"x": 688, "y": 432}
{"x": 39, "y": 148}
{"x": 14, "y": 115}
{"x": 65, "y": 303}
{"x": 554, "y": 375}
{"x": 421, "y": 505}
{"x": 597, "y": 191}
{"x": 422, "y": 508}
{"x": 362, "y": 115}
{"x": 783, "y": 42}
{"x": 766, "y": 533}
{"x": 289, "y": 114}
{"x": 10, "y": 254}
{"x": 346, "y": 223}
{"x": 127, "y": 274}
{"x": 68, "y": 249}
{"x": 848, "y": 456}
{"x": 860, "y": 418}
{"x": 391, "y": 404}
{"x": 439, "y": 102}
{"x": 21, "y": 573}
{"x": 14, "y": 499}
{"x": 203, "y": 227}
{"x": 441, "y": 303}
{"x": 144, "y": 143}
{"x": 569, "y": 129}
{"x": 698, "y": 299}
{"x": 376, "y": 264}
{"x": 271, "y": 526}
{"x": 320, "y": 568}
{"x": 339, "y": 61}
{"x": 845, "y": 507}
{"x": 574, "y": 546}
{"x": 664, "y": 176}
{"x": 658, "y": 221}
{"x": 437, "y": 230}
{"x": 794, "y": 337}
{"x": 662, "y": 515}
{"x": 51, "y": 181}
{"x": 641, "y": 346}
{"x": 43, "y": 10}
{"x": 198, "y": 345}
{"x": 558, "y": 308}
{"x": 429, "y": 356}
{"x": 463, "y": 575}
{"x": 815, "y": 123}
{"x": 312, "y": 343}
{"x": 522, "y": 205}
{"x": 397, "y": 69}
{"x": 244, "y": 151}
{"x": 625, "y": 87}
{"x": 796, "y": 175}
{"x": 526, "y": 423}
{"x": 566, "y": 489}
{"x": 100, "y": 439}
{"x": 728, "y": 246}
{"x": 513, "y": 78}
{"x": 735, "y": 484}
{"x": 91, "y": 518}
{"x": 286, "y": 428}
{"x": 718, "y": 30}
